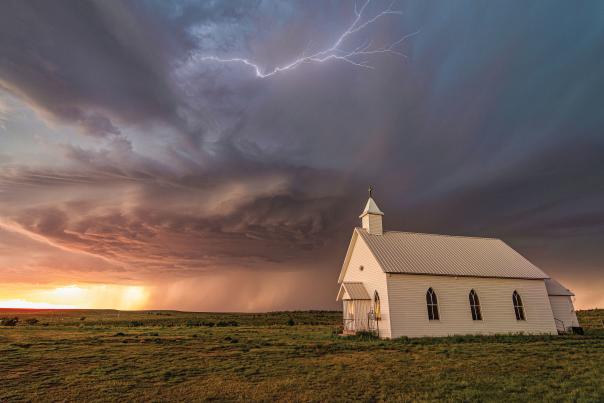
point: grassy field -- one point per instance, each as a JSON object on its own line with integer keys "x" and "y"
{"x": 96, "y": 355}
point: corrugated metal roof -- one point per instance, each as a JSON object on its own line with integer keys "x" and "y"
{"x": 555, "y": 288}
{"x": 356, "y": 290}
{"x": 446, "y": 255}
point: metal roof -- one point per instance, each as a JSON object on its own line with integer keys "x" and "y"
{"x": 555, "y": 288}
{"x": 371, "y": 208}
{"x": 354, "y": 291}
{"x": 446, "y": 255}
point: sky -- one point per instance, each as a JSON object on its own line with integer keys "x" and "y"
{"x": 174, "y": 155}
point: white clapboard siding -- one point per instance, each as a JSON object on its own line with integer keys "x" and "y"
{"x": 372, "y": 277}
{"x": 372, "y": 223}
{"x": 409, "y": 316}
{"x": 563, "y": 309}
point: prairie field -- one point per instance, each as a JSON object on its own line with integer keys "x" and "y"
{"x": 107, "y": 355}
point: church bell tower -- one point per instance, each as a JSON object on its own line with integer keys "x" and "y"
{"x": 371, "y": 217}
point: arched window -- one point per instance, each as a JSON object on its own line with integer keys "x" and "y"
{"x": 376, "y": 306}
{"x": 432, "y": 304}
{"x": 475, "y": 306}
{"x": 518, "y": 307}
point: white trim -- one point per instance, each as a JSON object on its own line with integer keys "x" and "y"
{"x": 353, "y": 240}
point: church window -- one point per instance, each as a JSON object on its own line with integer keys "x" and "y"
{"x": 432, "y": 304}
{"x": 475, "y": 306}
{"x": 377, "y": 310}
{"x": 518, "y": 306}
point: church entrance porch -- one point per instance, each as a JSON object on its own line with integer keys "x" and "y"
{"x": 357, "y": 316}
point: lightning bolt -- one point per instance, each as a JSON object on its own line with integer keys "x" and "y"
{"x": 356, "y": 56}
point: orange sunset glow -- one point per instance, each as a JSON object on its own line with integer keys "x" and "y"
{"x": 76, "y": 296}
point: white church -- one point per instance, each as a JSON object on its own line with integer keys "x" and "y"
{"x": 411, "y": 284}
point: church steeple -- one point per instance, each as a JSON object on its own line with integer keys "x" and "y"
{"x": 371, "y": 217}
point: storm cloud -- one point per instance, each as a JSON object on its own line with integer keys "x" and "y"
{"x": 136, "y": 162}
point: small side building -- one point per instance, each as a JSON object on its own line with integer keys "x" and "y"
{"x": 560, "y": 298}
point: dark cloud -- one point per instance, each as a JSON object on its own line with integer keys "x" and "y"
{"x": 89, "y": 63}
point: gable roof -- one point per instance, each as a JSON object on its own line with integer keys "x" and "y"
{"x": 555, "y": 288}
{"x": 371, "y": 208}
{"x": 352, "y": 291}
{"x": 445, "y": 255}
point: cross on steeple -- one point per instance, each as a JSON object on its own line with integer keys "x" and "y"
{"x": 370, "y": 190}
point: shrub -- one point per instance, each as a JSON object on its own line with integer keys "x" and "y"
{"x": 135, "y": 323}
{"x": 83, "y": 318}
{"x": 364, "y": 335}
{"x": 196, "y": 323}
{"x": 337, "y": 330}
{"x": 290, "y": 322}
{"x": 227, "y": 323}
{"x": 32, "y": 321}
{"x": 9, "y": 321}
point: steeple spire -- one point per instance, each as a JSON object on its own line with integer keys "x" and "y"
{"x": 371, "y": 217}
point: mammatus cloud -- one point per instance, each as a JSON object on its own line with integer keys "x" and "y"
{"x": 151, "y": 221}
{"x": 146, "y": 167}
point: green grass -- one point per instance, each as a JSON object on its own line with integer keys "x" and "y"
{"x": 167, "y": 355}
